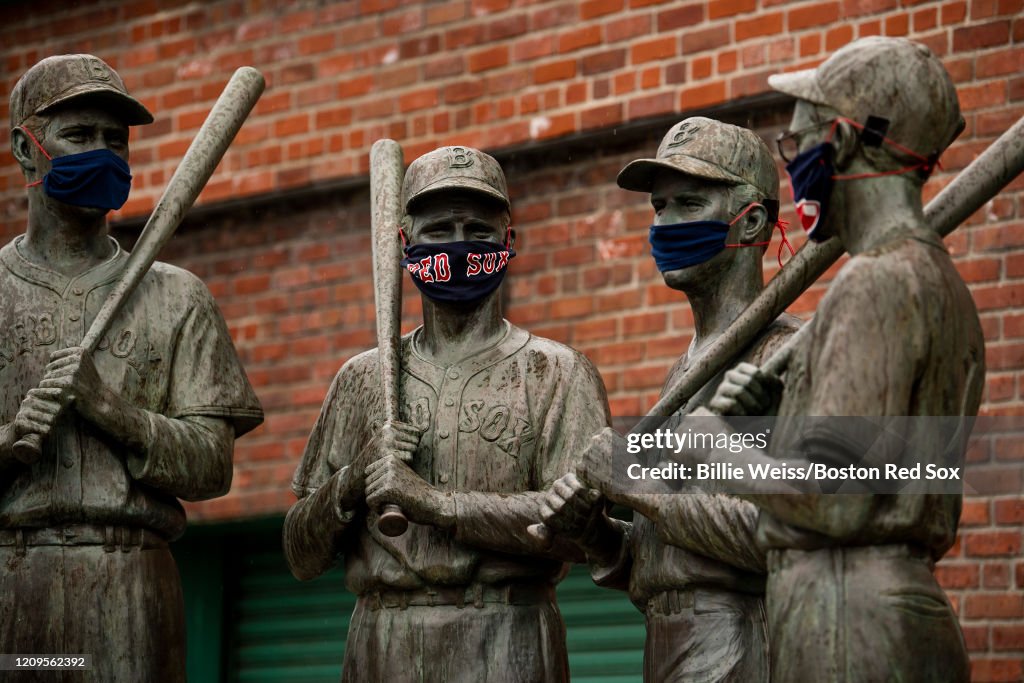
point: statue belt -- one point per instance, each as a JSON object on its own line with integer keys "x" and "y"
{"x": 700, "y": 600}
{"x": 476, "y": 595}
{"x": 779, "y": 559}
{"x": 110, "y": 537}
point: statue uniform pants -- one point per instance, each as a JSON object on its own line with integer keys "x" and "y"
{"x": 120, "y": 604}
{"x": 402, "y": 638}
{"x": 705, "y": 636}
{"x": 861, "y": 615}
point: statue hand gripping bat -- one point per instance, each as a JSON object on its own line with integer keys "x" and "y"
{"x": 999, "y": 164}
{"x": 211, "y": 142}
{"x": 386, "y": 167}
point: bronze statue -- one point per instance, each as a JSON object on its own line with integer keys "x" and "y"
{"x": 149, "y": 418}
{"x": 689, "y": 561}
{"x": 850, "y": 592}
{"x": 490, "y": 416}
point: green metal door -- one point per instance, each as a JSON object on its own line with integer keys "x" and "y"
{"x": 274, "y": 628}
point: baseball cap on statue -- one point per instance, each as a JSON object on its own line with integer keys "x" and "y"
{"x": 895, "y": 79}
{"x": 706, "y": 148}
{"x": 454, "y": 168}
{"x": 62, "y": 78}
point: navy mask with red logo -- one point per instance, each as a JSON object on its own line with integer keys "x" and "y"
{"x": 457, "y": 272}
{"x": 812, "y": 173}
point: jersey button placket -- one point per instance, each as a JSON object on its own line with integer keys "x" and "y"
{"x": 446, "y": 441}
{"x": 74, "y": 326}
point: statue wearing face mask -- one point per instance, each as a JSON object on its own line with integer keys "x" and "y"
{"x": 148, "y": 418}
{"x": 490, "y": 416}
{"x": 850, "y": 593}
{"x": 690, "y": 562}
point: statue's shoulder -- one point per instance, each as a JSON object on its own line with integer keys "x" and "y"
{"x": 357, "y": 370}
{"x": 171, "y": 280}
{"x": 555, "y": 354}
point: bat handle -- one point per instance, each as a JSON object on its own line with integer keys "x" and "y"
{"x": 392, "y": 522}
{"x": 28, "y": 448}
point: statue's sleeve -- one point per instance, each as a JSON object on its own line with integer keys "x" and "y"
{"x": 188, "y": 457}
{"x": 189, "y": 443}
{"x": 578, "y": 409}
{"x": 315, "y": 524}
{"x": 206, "y": 376}
{"x": 868, "y": 343}
{"x": 714, "y": 525}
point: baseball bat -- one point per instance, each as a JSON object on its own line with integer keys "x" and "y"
{"x": 386, "y": 169}
{"x": 983, "y": 178}
{"x": 999, "y": 164}
{"x": 207, "y": 148}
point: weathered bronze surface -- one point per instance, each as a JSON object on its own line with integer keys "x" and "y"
{"x": 689, "y": 561}
{"x": 850, "y": 592}
{"x": 148, "y": 418}
{"x": 491, "y": 416}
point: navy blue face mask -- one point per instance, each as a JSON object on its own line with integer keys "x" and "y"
{"x": 812, "y": 175}
{"x": 457, "y": 272}
{"x": 681, "y": 245}
{"x": 97, "y": 179}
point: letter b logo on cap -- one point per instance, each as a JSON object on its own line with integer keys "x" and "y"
{"x": 682, "y": 136}
{"x": 97, "y": 70}
{"x": 460, "y": 157}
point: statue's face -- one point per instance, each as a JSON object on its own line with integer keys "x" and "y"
{"x": 455, "y": 217}
{"x": 83, "y": 129}
{"x": 678, "y": 198}
{"x": 811, "y": 121}
{"x": 77, "y": 129}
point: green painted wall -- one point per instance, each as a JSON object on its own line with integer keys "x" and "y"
{"x": 249, "y": 621}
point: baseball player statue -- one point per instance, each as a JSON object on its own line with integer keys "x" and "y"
{"x": 150, "y": 417}
{"x": 850, "y": 592}
{"x": 490, "y": 417}
{"x": 690, "y": 562}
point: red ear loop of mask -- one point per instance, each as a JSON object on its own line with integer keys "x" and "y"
{"x": 45, "y": 153}
{"x": 780, "y": 224}
{"x": 926, "y": 165}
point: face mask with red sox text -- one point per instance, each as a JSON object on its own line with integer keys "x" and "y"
{"x": 457, "y": 272}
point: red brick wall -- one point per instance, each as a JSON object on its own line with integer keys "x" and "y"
{"x": 540, "y": 84}
{"x": 488, "y": 73}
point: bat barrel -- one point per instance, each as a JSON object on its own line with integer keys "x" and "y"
{"x": 386, "y": 168}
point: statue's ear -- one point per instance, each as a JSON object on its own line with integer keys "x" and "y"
{"x": 21, "y": 148}
{"x": 844, "y": 140}
{"x": 752, "y": 225}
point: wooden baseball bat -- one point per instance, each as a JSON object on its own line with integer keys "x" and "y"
{"x": 386, "y": 170}
{"x": 999, "y": 164}
{"x": 207, "y": 148}
{"x": 983, "y": 178}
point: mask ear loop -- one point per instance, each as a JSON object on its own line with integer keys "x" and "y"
{"x": 927, "y": 165}
{"x": 41, "y": 149}
{"x": 779, "y": 223}
{"x": 782, "y": 226}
